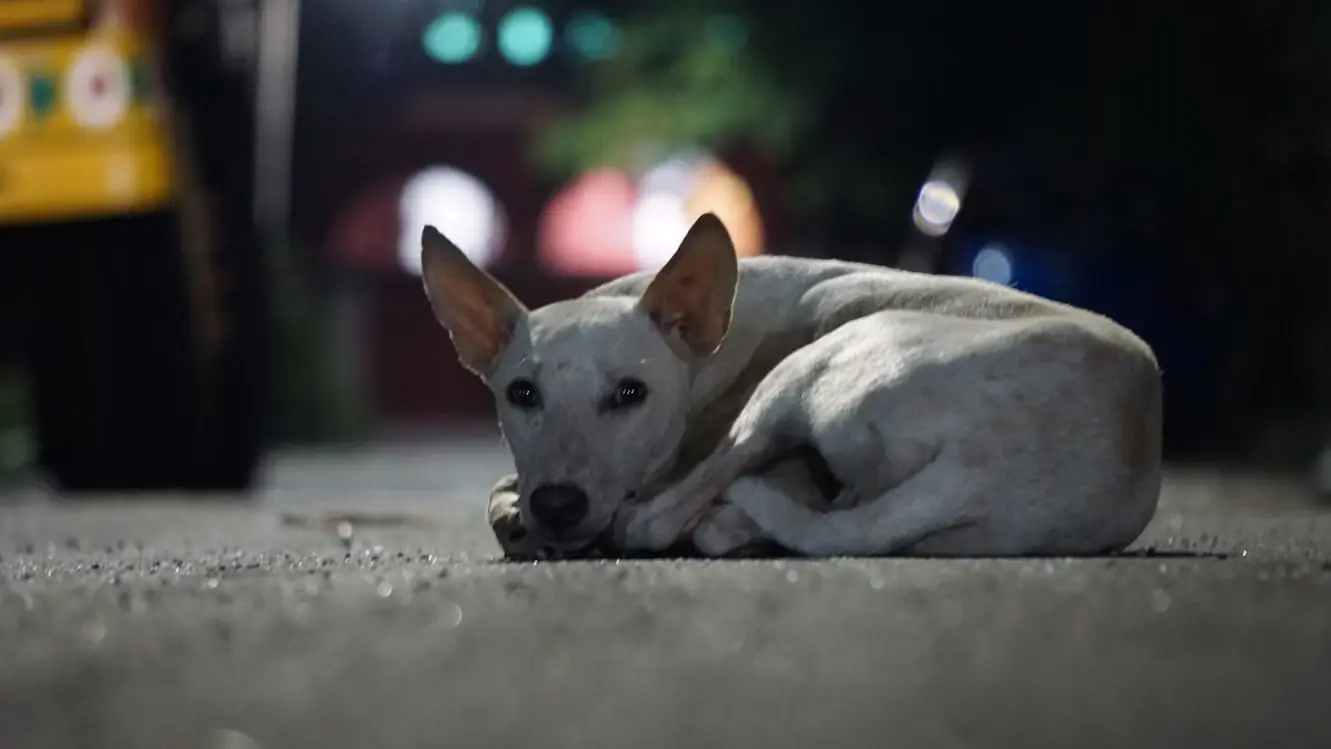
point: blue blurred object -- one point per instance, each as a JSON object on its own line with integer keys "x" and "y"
{"x": 1011, "y": 263}
{"x": 1120, "y": 287}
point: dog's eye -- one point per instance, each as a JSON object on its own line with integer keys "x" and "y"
{"x": 523, "y": 394}
{"x": 628, "y": 392}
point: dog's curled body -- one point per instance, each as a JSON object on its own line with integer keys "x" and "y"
{"x": 957, "y": 417}
{"x": 962, "y": 418}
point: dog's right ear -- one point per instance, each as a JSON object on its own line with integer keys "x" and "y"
{"x": 479, "y": 313}
{"x": 691, "y": 297}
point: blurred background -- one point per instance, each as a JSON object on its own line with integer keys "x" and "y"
{"x": 210, "y": 209}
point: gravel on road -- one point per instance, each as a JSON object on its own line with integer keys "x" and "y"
{"x": 178, "y": 622}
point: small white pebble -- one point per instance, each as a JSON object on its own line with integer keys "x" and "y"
{"x": 94, "y": 632}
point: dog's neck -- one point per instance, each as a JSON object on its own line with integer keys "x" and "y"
{"x": 722, "y": 383}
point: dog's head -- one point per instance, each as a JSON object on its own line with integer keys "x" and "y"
{"x": 592, "y": 393}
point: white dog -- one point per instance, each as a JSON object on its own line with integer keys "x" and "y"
{"x": 829, "y": 407}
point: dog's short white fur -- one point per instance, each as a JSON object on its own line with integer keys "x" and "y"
{"x": 958, "y": 417}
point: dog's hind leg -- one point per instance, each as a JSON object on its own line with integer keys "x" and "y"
{"x": 928, "y": 502}
{"x": 726, "y": 531}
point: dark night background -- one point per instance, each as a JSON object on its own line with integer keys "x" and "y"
{"x": 1163, "y": 163}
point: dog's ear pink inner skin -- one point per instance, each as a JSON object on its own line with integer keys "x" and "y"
{"x": 479, "y": 312}
{"x": 691, "y": 297}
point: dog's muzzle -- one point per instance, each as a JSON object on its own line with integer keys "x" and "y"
{"x": 559, "y": 508}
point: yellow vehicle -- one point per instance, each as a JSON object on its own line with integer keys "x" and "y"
{"x": 106, "y": 279}
{"x": 82, "y": 130}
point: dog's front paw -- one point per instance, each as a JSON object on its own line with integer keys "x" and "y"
{"x": 517, "y": 543}
{"x": 631, "y": 528}
{"x": 506, "y": 521}
{"x": 655, "y": 525}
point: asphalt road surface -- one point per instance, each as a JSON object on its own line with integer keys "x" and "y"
{"x": 187, "y": 622}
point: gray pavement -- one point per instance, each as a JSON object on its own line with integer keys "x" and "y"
{"x": 180, "y": 622}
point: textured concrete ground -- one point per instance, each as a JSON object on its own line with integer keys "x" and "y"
{"x": 184, "y": 622}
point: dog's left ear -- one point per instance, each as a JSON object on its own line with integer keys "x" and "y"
{"x": 691, "y": 298}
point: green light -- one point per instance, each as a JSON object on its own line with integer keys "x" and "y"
{"x": 453, "y": 38}
{"x": 525, "y": 35}
{"x": 593, "y": 36}
{"x": 42, "y": 94}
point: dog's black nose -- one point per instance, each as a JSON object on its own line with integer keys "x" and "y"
{"x": 558, "y": 507}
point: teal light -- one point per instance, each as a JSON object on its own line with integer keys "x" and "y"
{"x": 453, "y": 38}
{"x": 593, "y": 36}
{"x": 42, "y": 94}
{"x": 525, "y": 36}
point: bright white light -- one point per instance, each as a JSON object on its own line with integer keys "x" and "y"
{"x": 936, "y": 207}
{"x": 993, "y": 264}
{"x": 659, "y": 225}
{"x": 455, "y": 203}
{"x": 660, "y": 217}
{"x": 675, "y": 175}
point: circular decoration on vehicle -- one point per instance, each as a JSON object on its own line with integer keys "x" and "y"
{"x": 13, "y": 96}
{"x": 97, "y": 88}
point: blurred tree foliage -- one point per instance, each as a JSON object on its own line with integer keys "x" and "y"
{"x": 1212, "y": 115}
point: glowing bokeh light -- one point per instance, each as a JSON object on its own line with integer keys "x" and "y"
{"x": 936, "y": 207}
{"x": 585, "y": 229}
{"x": 455, "y": 203}
{"x": 525, "y": 36}
{"x": 660, "y": 222}
{"x": 593, "y": 36}
{"x": 993, "y": 263}
{"x": 604, "y": 225}
{"x": 722, "y": 192}
{"x": 453, "y": 38}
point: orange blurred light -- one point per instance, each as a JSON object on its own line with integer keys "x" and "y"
{"x": 721, "y": 191}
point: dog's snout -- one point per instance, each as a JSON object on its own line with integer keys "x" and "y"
{"x": 559, "y": 507}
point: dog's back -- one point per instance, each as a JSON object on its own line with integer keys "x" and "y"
{"x": 784, "y": 303}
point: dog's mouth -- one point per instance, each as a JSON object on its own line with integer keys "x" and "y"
{"x": 552, "y": 546}
{"x": 595, "y": 546}
{"x": 570, "y": 543}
